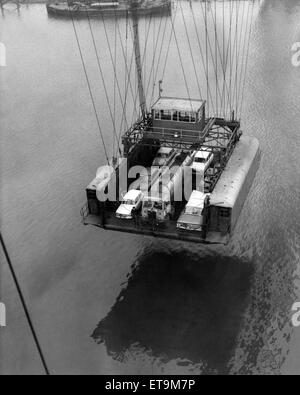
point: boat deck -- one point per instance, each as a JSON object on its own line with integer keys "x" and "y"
{"x": 82, "y": 10}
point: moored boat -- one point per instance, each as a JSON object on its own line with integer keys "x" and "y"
{"x": 106, "y": 8}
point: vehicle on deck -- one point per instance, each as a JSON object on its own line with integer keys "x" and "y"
{"x": 202, "y": 161}
{"x": 192, "y": 218}
{"x": 164, "y": 157}
{"x": 132, "y": 201}
{"x": 157, "y": 208}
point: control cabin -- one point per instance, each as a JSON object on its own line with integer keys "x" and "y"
{"x": 177, "y": 119}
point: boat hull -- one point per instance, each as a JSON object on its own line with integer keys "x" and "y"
{"x": 63, "y": 10}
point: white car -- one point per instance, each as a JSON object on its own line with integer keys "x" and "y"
{"x": 164, "y": 156}
{"x": 191, "y": 218}
{"x": 202, "y": 161}
{"x": 131, "y": 201}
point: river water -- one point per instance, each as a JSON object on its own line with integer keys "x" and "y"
{"x": 118, "y": 304}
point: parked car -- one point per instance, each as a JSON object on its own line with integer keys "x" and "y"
{"x": 191, "y": 218}
{"x": 131, "y": 201}
{"x": 202, "y": 161}
{"x": 164, "y": 156}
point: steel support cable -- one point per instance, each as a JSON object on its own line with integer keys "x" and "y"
{"x": 239, "y": 46}
{"x": 135, "y": 95}
{"x": 159, "y": 57}
{"x": 102, "y": 76}
{"x": 237, "y": 56}
{"x": 144, "y": 55}
{"x": 89, "y": 86}
{"x": 209, "y": 47}
{"x": 114, "y": 69}
{"x": 234, "y": 54}
{"x": 232, "y": 62}
{"x": 126, "y": 87}
{"x": 143, "y": 63}
{"x": 228, "y": 56}
{"x": 244, "y": 53}
{"x": 247, "y": 57}
{"x": 226, "y": 62}
{"x": 155, "y": 46}
{"x": 191, "y": 51}
{"x": 181, "y": 63}
{"x": 209, "y": 94}
{"x": 126, "y": 94}
{"x": 124, "y": 56}
{"x": 170, "y": 40}
{"x": 115, "y": 88}
{"x": 216, "y": 56}
{"x": 24, "y": 305}
{"x": 155, "y": 65}
{"x": 223, "y": 56}
{"x": 218, "y": 50}
{"x": 206, "y": 50}
{"x": 232, "y": 47}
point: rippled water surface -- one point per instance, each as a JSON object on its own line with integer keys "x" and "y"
{"x": 113, "y": 303}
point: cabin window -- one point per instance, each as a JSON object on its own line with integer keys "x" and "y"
{"x": 193, "y": 117}
{"x": 157, "y": 114}
{"x": 175, "y": 116}
{"x": 225, "y": 212}
{"x": 166, "y": 115}
{"x": 184, "y": 116}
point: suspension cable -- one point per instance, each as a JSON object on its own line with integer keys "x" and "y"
{"x": 89, "y": 85}
{"x": 208, "y": 93}
{"x": 24, "y": 305}
{"x": 191, "y": 51}
{"x": 102, "y": 76}
{"x": 247, "y": 58}
{"x": 181, "y": 62}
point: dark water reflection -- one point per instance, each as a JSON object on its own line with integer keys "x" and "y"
{"x": 180, "y": 306}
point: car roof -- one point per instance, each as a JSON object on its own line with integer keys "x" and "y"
{"x": 175, "y": 104}
{"x": 202, "y": 154}
{"x": 132, "y": 195}
{"x": 165, "y": 150}
{"x": 197, "y": 199}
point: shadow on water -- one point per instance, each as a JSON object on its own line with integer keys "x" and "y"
{"x": 179, "y": 305}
